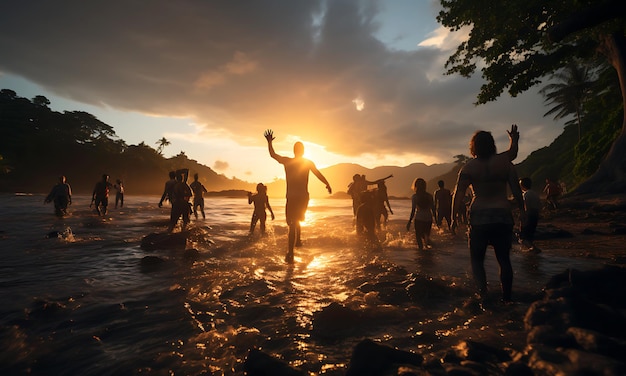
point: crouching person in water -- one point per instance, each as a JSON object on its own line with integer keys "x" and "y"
{"x": 61, "y": 195}
{"x": 180, "y": 195}
{"x": 261, "y": 201}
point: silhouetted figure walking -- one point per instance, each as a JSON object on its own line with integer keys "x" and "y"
{"x": 359, "y": 185}
{"x": 167, "y": 190}
{"x": 100, "y": 195}
{"x": 382, "y": 204}
{"x": 261, "y": 201}
{"x": 297, "y": 176}
{"x": 532, "y": 204}
{"x": 198, "y": 196}
{"x": 61, "y": 196}
{"x": 443, "y": 205}
{"x": 119, "y": 194}
{"x": 180, "y": 195}
{"x": 490, "y": 216}
{"x": 553, "y": 192}
{"x": 423, "y": 210}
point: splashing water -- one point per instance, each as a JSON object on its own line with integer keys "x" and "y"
{"x": 92, "y": 301}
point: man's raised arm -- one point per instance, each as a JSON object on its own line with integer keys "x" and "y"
{"x": 513, "y": 142}
{"x": 319, "y": 175}
{"x": 269, "y": 136}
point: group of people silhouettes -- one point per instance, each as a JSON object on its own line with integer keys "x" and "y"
{"x": 178, "y": 193}
{"x": 488, "y": 177}
{"x": 61, "y": 195}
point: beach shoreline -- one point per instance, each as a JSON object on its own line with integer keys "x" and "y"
{"x": 597, "y": 226}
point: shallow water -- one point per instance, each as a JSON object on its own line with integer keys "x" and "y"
{"x": 89, "y": 302}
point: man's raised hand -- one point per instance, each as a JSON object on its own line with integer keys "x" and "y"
{"x": 513, "y": 133}
{"x": 269, "y": 135}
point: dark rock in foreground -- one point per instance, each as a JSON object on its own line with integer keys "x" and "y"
{"x": 578, "y": 328}
{"x": 155, "y": 240}
{"x": 259, "y": 363}
{"x": 370, "y": 358}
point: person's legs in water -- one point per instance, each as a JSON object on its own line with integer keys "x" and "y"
{"x": 298, "y": 235}
{"x": 418, "y": 235}
{"x": 295, "y": 209}
{"x": 427, "y": 228}
{"x": 202, "y": 209}
{"x": 174, "y": 215}
{"x": 262, "y": 220}
{"x": 478, "y": 242}
{"x": 502, "y": 238}
{"x": 291, "y": 241}
{"x": 253, "y": 222}
{"x": 185, "y": 214}
{"x": 105, "y": 203}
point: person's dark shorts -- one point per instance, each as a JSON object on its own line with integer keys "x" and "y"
{"x": 296, "y": 207}
{"x": 498, "y": 235}
{"x": 423, "y": 227}
{"x": 102, "y": 201}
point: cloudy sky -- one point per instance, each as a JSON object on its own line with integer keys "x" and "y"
{"x": 356, "y": 81}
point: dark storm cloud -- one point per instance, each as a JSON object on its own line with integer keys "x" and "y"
{"x": 295, "y": 66}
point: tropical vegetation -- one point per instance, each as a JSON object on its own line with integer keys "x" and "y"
{"x": 517, "y": 44}
{"x": 39, "y": 144}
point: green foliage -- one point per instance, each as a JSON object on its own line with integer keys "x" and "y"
{"x": 575, "y": 161}
{"x": 508, "y": 39}
{"x": 39, "y": 145}
{"x": 570, "y": 90}
{"x": 518, "y": 42}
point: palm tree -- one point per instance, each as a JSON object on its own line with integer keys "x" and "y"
{"x": 163, "y": 142}
{"x": 569, "y": 94}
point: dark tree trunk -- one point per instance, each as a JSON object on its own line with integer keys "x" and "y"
{"x": 611, "y": 174}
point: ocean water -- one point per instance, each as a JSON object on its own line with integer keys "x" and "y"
{"x": 91, "y": 301}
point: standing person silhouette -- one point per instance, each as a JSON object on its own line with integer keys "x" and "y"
{"x": 382, "y": 203}
{"x": 167, "y": 191}
{"x": 100, "y": 195}
{"x": 198, "y": 196}
{"x": 532, "y": 203}
{"x": 552, "y": 191}
{"x": 261, "y": 201}
{"x": 423, "y": 210}
{"x": 179, "y": 197}
{"x": 359, "y": 185}
{"x": 490, "y": 217}
{"x": 443, "y": 203}
{"x": 119, "y": 195}
{"x": 61, "y": 195}
{"x": 297, "y": 176}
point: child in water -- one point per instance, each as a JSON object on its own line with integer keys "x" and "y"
{"x": 261, "y": 201}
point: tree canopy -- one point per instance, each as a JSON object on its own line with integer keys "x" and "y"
{"x": 517, "y": 43}
{"x": 38, "y": 145}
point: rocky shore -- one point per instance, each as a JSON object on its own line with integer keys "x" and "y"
{"x": 576, "y": 327}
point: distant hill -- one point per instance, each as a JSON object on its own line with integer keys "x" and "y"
{"x": 340, "y": 176}
{"x": 38, "y": 145}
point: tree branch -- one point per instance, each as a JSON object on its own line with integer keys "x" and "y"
{"x": 590, "y": 17}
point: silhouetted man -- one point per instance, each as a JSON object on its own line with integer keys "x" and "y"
{"x": 100, "y": 195}
{"x": 297, "y": 176}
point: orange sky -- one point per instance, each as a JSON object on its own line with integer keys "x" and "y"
{"x": 358, "y": 81}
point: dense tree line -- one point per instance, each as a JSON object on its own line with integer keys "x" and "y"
{"x": 517, "y": 43}
{"x": 38, "y": 145}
